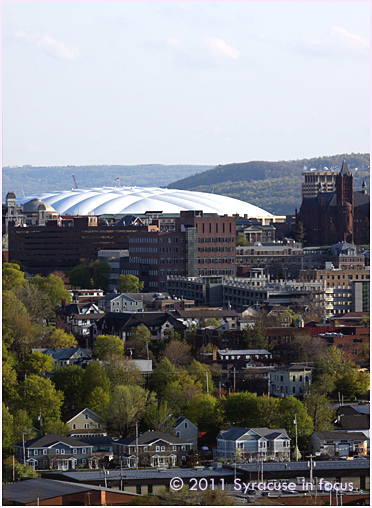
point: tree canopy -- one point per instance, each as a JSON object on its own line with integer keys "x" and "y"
{"x": 130, "y": 284}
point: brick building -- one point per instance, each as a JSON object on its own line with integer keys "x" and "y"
{"x": 336, "y": 215}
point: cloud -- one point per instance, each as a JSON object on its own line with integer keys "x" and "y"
{"x": 48, "y": 45}
{"x": 219, "y": 47}
{"x": 353, "y": 41}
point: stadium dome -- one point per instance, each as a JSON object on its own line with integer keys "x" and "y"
{"x": 132, "y": 200}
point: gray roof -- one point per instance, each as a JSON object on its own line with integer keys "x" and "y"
{"x": 146, "y": 474}
{"x": 336, "y": 435}
{"x": 64, "y": 353}
{"x": 29, "y": 490}
{"x": 234, "y": 433}
{"x": 50, "y": 439}
{"x": 302, "y": 466}
{"x": 149, "y": 437}
{"x": 243, "y": 352}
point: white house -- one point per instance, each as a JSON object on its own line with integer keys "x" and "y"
{"x": 253, "y": 444}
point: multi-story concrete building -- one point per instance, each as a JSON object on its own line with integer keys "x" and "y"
{"x": 345, "y": 290}
{"x": 318, "y": 180}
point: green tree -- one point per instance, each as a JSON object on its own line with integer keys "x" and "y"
{"x": 122, "y": 371}
{"x": 163, "y": 374}
{"x": 9, "y": 377}
{"x": 210, "y": 322}
{"x": 282, "y": 274}
{"x": 22, "y": 425}
{"x": 101, "y": 275}
{"x": 291, "y": 409}
{"x": 204, "y": 411}
{"x": 94, "y": 377}
{"x": 38, "y": 396}
{"x": 267, "y": 411}
{"x": 141, "y": 333}
{"x": 326, "y": 369}
{"x": 127, "y": 406}
{"x": 158, "y": 417}
{"x": 300, "y": 232}
{"x": 7, "y": 431}
{"x": 241, "y": 409}
{"x": 201, "y": 372}
{"x": 23, "y": 336}
{"x": 53, "y": 426}
{"x": 332, "y": 235}
{"x": 352, "y": 382}
{"x": 54, "y": 288}
{"x": 319, "y": 409}
{"x": 12, "y": 276}
{"x": 37, "y": 363}
{"x": 80, "y": 277}
{"x": 241, "y": 240}
{"x": 11, "y": 307}
{"x": 36, "y": 301}
{"x": 98, "y": 400}
{"x": 255, "y": 337}
{"x": 178, "y": 353}
{"x": 61, "y": 339}
{"x": 180, "y": 391}
{"x": 69, "y": 380}
{"x": 365, "y": 321}
{"x": 130, "y": 284}
{"x": 107, "y": 345}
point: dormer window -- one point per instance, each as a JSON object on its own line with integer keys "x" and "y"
{"x": 86, "y": 416}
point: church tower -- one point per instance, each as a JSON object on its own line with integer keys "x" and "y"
{"x": 345, "y": 204}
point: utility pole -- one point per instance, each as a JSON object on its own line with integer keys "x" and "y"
{"x": 24, "y": 449}
{"x": 295, "y": 422}
{"x": 121, "y": 473}
{"x": 311, "y": 464}
{"x": 136, "y": 445}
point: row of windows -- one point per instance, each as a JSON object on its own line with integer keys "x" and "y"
{"x": 218, "y": 260}
{"x": 144, "y": 249}
{"x": 144, "y": 239}
{"x": 57, "y": 451}
{"x": 224, "y": 239}
{"x": 215, "y": 249}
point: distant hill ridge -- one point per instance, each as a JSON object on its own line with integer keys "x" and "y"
{"x": 273, "y": 186}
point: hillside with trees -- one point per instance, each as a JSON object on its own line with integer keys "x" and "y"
{"x": 273, "y": 186}
{"x": 28, "y": 180}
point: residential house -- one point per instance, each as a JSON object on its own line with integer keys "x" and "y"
{"x": 68, "y": 356}
{"x": 85, "y": 422}
{"x": 77, "y": 318}
{"x": 231, "y": 362}
{"x": 154, "y": 449}
{"x": 54, "y": 451}
{"x": 186, "y": 431}
{"x": 86, "y": 295}
{"x": 253, "y": 444}
{"x": 103, "y": 448}
{"x": 294, "y": 379}
{"x": 349, "y": 419}
{"x": 120, "y": 302}
{"x": 121, "y": 324}
{"x": 338, "y": 444}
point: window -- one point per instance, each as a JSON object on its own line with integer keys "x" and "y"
{"x": 74, "y": 451}
{"x": 185, "y": 425}
{"x": 36, "y": 452}
{"x": 294, "y": 389}
{"x": 45, "y": 451}
{"x": 62, "y": 452}
{"x": 183, "y": 448}
{"x": 138, "y": 489}
{"x": 86, "y": 426}
{"x": 86, "y": 416}
{"x": 57, "y": 451}
{"x": 183, "y": 457}
{"x": 158, "y": 448}
{"x": 174, "y": 448}
{"x": 73, "y": 426}
{"x": 163, "y": 448}
{"x": 84, "y": 461}
{"x": 84, "y": 451}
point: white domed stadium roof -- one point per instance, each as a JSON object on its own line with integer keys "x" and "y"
{"x": 132, "y": 200}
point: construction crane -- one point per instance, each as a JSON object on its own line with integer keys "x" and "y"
{"x": 75, "y": 182}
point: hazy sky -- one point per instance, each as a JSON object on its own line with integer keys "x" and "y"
{"x": 183, "y": 83}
